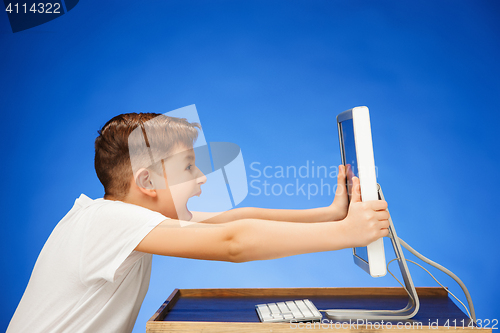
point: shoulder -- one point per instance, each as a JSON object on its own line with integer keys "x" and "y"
{"x": 102, "y": 212}
{"x": 118, "y": 205}
{"x": 124, "y": 210}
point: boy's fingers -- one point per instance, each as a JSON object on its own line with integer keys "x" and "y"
{"x": 341, "y": 174}
{"x": 356, "y": 190}
{"x": 382, "y": 215}
{"x": 379, "y": 205}
{"x": 341, "y": 186}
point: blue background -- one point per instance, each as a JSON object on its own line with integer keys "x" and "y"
{"x": 270, "y": 76}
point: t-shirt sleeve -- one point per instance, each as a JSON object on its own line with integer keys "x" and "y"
{"x": 112, "y": 233}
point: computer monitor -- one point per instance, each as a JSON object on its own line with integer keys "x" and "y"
{"x": 357, "y": 154}
{"x": 356, "y": 150}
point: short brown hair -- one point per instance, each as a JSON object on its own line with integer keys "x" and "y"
{"x": 112, "y": 151}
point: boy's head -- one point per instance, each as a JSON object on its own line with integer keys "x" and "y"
{"x": 150, "y": 138}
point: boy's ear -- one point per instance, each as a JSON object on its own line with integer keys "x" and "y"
{"x": 144, "y": 181}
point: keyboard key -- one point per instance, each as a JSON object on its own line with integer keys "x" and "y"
{"x": 264, "y": 312}
{"x": 283, "y": 308}
{"x": 295, "y": 310}
{"x": 304, "y": 309}
{"x": 274, "y": 308}
{"x": 312, "y": 308}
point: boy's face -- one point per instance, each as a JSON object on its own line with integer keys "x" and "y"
{"x": 184, "y": 180}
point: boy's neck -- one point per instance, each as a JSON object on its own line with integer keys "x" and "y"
{"x": 156, "y": 200}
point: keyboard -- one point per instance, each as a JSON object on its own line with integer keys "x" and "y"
{"x": 300, "y": 310}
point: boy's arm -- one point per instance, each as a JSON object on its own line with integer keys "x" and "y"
{"x": 322, "y": 214}
{"x": 252, "y": 239}
{"x": 335, "y": 212}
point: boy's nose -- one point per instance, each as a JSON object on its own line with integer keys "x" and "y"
{"x": 201, "y": 179}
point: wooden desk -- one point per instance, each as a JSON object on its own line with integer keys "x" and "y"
{"x": 233, "y": 310}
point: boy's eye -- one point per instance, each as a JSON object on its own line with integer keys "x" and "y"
{"x": 189, "y": 167}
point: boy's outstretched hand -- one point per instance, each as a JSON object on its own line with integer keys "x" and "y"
{"x": 340, "y": 203}
{"x": 366, "y": 221}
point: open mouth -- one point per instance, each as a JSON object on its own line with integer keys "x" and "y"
{"x": 190, "y": 215}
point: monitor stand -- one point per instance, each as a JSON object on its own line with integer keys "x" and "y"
{"x": 411, "y": 308}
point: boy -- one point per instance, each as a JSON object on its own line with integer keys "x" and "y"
{"x": 93, "y": 272}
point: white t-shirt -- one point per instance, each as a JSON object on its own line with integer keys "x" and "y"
{"x": 88, "y": 278}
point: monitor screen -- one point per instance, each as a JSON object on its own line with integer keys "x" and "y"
{"x": 350, "y": 162}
